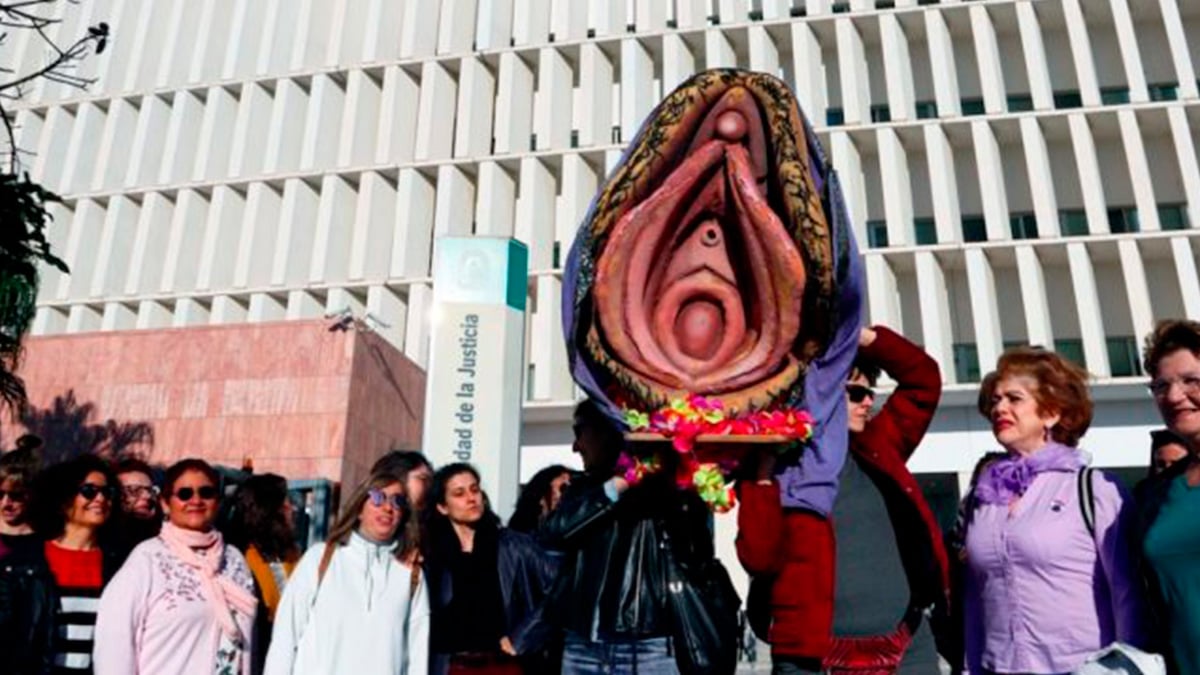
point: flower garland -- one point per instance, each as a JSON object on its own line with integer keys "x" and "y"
{"x": 685, "y": 419}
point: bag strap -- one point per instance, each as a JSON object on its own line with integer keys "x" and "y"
{"x": 1087, "y": 498}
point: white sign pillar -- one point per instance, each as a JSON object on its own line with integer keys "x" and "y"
{"x": 473, "y": 390}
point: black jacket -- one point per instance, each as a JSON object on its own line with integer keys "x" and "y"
{"x": 29, "y": 608}
{"x": 526, "y": 574}
{"x": 612, "y": 584}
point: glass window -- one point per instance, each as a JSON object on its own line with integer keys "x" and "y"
{"x": 877, "y": 234}
{"x": 1123, "y": 219}
{"x": 1164, "y": 91}
{"x": 881, "y": 113}
{"x": 1123, "y": 356}
{"x": 1073, "y": 222}
{"x": 1114, "y": 95}
{"x": 1023, "y": 226}
{"x": 1067, "y": 99}
{"x": 885, "y": 4}
{"x": 1071, "y": 350}
{"x": 1173, "y": 216}
{"x": 841, "y": 7}
{"x": 1020, "y": 102}
{"x": 927, "y": 110}
{"x": 834, "y": 117}
{"x": 966, "y": 362}
{"x": 973, "y": 106}
{"x": 974, "y": 228}
{"x": 925, "y": 231}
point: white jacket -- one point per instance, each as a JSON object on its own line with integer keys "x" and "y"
{"x": 361, "y": 620}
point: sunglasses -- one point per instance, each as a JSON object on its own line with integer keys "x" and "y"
{"x": 206, "y": 492}
{"x": 14, "y": 495}
{"x": 378, "y": 497}
{"x": 90, "y": 491}
{"x": 858, "y": 392}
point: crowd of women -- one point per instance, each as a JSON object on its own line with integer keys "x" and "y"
{"x": 105, "y": 569}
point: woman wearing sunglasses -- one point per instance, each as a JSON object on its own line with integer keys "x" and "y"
{"x": 184, "y": 601}
{"x": 17, "y": 469}
{"x": 487, "y": 583}
{"x": 49, "y": 593}
{"x": 353, "y": 605}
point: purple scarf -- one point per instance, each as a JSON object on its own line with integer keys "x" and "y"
{"x": 1007, "y": 479}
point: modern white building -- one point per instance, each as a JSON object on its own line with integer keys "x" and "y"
{"x": 1017, "y": 170}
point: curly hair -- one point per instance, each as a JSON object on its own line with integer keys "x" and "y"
{"x": 257, "y": 518}
{"x": 1061, "y": 389}
{"x": 1168, "y": 337}
{"x": 55, "y": 490}
{"x": 527, "y": 515}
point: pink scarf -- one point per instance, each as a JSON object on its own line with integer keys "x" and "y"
{"x": 205, "y": 551}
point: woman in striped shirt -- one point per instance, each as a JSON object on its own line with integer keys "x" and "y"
{"x": 49, "y": 593}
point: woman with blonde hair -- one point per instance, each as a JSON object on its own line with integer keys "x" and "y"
{"x": 1049, "y": 579}
{"x": 353, "y": 605}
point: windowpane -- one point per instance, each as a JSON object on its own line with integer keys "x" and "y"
{"x": 1114, "y": 95}
{"x": 966, "y": 362}
{"x": 1123, "y": 356}
{"x": 974, "y": 228}
{"x": 927, "y": 110}
{"x": 1020, "y": 102}
{"x": 1173, "y": 216}
{"x": 881, "y": 113}
{"x": 1164, "y": 91}
{"x": 1023, "y": 226}
{"x": 1073, "y": 222}
{"x": 877, "y": 234}
{"x": 1123, "y": 219}
{"x": 1071, "y": 350}
{"x": 834, "y": 117}
{"x": 1067, "y": 99}
{"x": 925, "y": 231}
{"x": 973, "y": 106}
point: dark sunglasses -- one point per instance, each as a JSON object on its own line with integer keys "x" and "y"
{"x": 206, "y": 492}
{"x": 378, "y": 497}
{"x": 90, "y": 491}
{"x": 14, "y": 495}
{"x": 858, "y": 392}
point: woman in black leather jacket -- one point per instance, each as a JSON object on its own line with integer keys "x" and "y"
{"x": 487, "y": 583}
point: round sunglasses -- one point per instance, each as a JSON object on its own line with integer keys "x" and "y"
{"x": 206, "y": 492}
{"x": 378, "y": 497}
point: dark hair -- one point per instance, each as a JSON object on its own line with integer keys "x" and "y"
{"x": 55, "y": 490}
{"x": 527, "y": 516}
{"x": 347, "y": 520}
{"x": 867, "y": 368}
{"x": 134, "y": 465}
{"x": 257, "y": 518}
{"x": 1061, "y": 389}
{"x": 1170, "y": 336}
{"x": 401, "y": 462}
{"x": 1161, "y": 437}
{"x": 589, "y": 416}
{"x": 176, "y": 470}
{"x": 437, "y": 493}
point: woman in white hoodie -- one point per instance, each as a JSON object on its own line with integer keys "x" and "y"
{"x": 354, "y": 605}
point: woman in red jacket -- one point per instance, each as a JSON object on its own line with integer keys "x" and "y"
{"x": 826, "y": 612}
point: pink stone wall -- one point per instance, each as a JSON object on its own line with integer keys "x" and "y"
{"x": 294, "y": 397}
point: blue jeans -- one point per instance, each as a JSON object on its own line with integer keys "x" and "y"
{"x": 640, "y": 657}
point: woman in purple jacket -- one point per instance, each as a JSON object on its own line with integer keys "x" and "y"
{"x": 1044, "y": 586}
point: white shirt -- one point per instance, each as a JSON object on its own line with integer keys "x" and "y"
{"x": 361, "y": 620}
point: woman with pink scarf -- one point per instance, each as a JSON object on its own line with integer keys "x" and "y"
{"x": 184, "y": 601}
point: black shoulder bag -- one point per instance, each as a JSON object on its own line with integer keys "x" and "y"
{"x": 703, "y": 605}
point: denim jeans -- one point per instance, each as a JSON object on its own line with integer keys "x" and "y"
{"x": 633, "y": 657}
